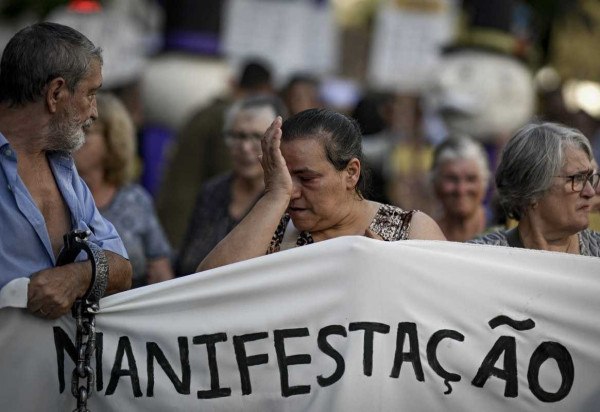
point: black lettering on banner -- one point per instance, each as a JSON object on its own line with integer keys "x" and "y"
{"x": 504, "y": 345}
{"x": 370, "y": 328}
{"x": 124, "y": 347}
{"x": 432, "y": 345}
{"x": 63, "y": 343}
{"x": 327, "y": 349}
{"x": 563, "y": 359}
{"x": 215, "y": 388}
{"x": 520, "y": 325}
{"x": 99, "y": 351}
{"x": 284, "y": 360}
{"x": 244, "y": 361}
{"x": 412, "y": 356}
{"x": 153, "y": 351}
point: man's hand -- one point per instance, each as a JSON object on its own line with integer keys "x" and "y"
{"x": 53, "y": 291}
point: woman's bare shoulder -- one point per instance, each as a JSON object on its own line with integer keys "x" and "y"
{"x": 424, "y": 227}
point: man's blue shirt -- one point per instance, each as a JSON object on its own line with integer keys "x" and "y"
{"x": 25, "y": 246}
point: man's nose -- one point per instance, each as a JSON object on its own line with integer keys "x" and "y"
{"x": 94, "y": 113}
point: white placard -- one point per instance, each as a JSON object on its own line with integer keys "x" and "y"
{"x": 293, "y": 35}
{"x": 406, "y": 45}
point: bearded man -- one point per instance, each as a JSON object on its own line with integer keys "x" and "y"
{"x": 49, "y": 76}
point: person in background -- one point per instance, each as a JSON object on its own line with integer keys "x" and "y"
{"x": 301, "y": 93}
{"x": 200, "y": 153}
{"x": 546, "y": 181}
{"x": 224, "y": 200}
{"x": 314, "y": 186}
{"x": 460, "y": 176}
{"x": 49, "y": 76}
{"x": 595, "y": 212}
{"x": 107, "y": 163}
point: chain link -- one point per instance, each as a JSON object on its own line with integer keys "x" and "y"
{"x": 82, "y": 379}
{"x": 84, "y": 311}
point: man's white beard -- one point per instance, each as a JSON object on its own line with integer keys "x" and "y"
{"x": 66, "y": 133}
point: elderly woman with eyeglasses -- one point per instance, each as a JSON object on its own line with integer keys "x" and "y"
{"x": 546, "y": 181}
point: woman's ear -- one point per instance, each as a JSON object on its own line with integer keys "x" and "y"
{"x": 352, "y": 173}
{"x": 56, "y": 91}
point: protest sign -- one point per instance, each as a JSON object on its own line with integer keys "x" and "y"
{"x": 351, "y": 324}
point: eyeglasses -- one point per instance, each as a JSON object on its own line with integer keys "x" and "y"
{"x": 238, "y": 138}
{"x": 579, "y": 180}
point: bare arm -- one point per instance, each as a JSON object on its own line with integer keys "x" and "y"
{"x": 251, "y": 237}
{"x": 159, "y": 270}
{"x": 53, "y": 291}
{"x": 425, "y": 228}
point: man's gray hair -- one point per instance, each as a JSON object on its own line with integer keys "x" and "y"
{"x": 40, "y": 53}
{"x": 460, "y": 147}
{"x": 531, "y": 158}
{"x": 259, "y": 101}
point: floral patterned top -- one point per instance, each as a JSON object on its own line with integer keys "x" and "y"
{"x": 390, "y": 222}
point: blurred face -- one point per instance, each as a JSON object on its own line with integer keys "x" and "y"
{"x": 68, "y": 125}
{"x": 320, "y": 193}
{"x": 562, "y": 209}
{"x": 244, "y": 141}
{"x": 302, "y": 96}
{"x": 92, "y": 154}
{"x": 460, "y": 187}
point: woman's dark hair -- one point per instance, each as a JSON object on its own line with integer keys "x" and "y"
{"x": 340, "y": 135}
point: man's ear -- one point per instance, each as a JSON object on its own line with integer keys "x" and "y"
{"x": 352, "y": 173}
{"x": 56, "y": 92}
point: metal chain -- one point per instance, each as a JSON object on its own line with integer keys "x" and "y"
{"x": 84, "y": 311}
{"x": 82, "y": 379}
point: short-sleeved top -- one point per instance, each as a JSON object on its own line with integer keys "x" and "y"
{"x": 589, "y": 241}
{"x": 132, "y": 213}
{"x": 25, "y": 246}
{"x": 390, "y": 222}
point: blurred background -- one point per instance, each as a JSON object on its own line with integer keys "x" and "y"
{"x": 410, "y": 71}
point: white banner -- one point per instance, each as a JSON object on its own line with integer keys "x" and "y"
{"x": 351, "y": 324}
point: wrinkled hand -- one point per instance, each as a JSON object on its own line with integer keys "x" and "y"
{"x": 276, "y": 175}
{"x": 51, "y": 292}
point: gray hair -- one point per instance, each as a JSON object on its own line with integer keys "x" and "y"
{"x": 253, "y": 103}
{"x": 460, "y": 147}
{"x": 40, "y": 53}
{"x": 531, "y": 158}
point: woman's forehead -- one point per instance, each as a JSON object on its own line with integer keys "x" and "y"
{"x": 304, "y": 148}
{"x": 576, "y": 159}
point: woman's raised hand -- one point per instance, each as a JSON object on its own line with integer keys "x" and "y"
{"x": 277, "y": 177}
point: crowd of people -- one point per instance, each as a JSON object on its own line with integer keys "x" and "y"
{"x": 255, "y": 173}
